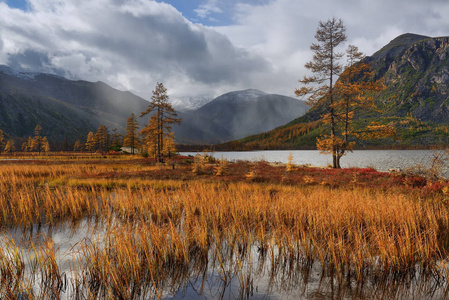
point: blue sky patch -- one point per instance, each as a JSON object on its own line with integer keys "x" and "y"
{"x": 20, "y": 4}
{"x": 210, "y": 12}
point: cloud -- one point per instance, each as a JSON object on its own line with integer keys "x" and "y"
{"x": 211, "y": 6}
{"x": 282, "y": 31}
{"x": 128, "y": 44}
{"x": 132, "y": 44}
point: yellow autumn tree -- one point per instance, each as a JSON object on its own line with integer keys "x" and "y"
{"x": 37, "y": 141}
{"x": 2, "y": 140}
{"x": 78, "y": 146}
{"x": 45, "y": 145}
{"x": 159, "y": 129}
{"x": 10, "y": 147}
{"x": 90, "y": 142}
{"x": 325, "y": 66}
{"x": 351, "y": 92}
{"x": 355, "y": 88}
{"x": 131, "y": 139}
{"x": 101, "y": 138}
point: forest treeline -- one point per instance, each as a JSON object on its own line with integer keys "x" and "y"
{"x": 156, "y": 139}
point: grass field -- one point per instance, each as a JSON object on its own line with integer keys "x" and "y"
{"x": 155, "y": 229}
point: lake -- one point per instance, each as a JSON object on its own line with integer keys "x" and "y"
{"x": 381, "y": 160}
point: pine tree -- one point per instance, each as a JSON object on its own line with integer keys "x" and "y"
{"x": 159, "y": 125}
{"x": 131, "y": 140}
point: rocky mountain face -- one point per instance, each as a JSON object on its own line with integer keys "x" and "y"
{"x": 68, "y": 110}
{"x": 416, "y": 73}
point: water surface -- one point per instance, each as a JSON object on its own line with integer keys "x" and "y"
{"x": 381, "y": 160}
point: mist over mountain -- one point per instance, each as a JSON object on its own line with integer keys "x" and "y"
{"x": 252, "y": 111}
{"x": 189, "y": 103}
{"x": 67, "y": 110}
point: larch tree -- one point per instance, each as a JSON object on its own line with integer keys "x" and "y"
{"x": 325, "y": 66}
{"x": 10, "y": 147}
{"x": 45, "y": 144}
{"x": 29, "y": 144}
{"x": 116, "y": 140}
{"x": 102, "y": 138}
{"x": 37, "y": 141}
{"x": 131, "y": 139}
{"x": 90, "y": 142}
{"x": 169, "y": 145}
{"x": 159, "y": 127}
{"x": 2, "y": 140}
{"x": 24, "y": 147}
{"x": 78, "y": 146}
{"x": 357, "y": 85}
{"x": 353, "y": 92}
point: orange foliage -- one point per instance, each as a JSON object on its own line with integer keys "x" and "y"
{"x": 377, "y": 131}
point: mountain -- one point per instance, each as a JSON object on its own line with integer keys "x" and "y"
{"x": 68, "y": 110}
{"x": 189, "y": 103}
{"x": 252, "y": 111}
{"x": 415, "y": 70}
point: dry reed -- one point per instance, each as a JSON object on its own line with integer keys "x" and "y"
{"x": 160, "y": 234}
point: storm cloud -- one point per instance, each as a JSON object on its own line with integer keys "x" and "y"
{"x": 128, "y": 44}
{"x": 132, "y": 44}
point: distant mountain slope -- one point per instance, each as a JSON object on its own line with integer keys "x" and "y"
{"x": 66, "y": 109}
{"x": 189, "y": 103}
{"x": 415, "y": 70}
{"x": 251, "y": 111}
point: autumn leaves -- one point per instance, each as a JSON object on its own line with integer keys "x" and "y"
{"x": 339, "y": 101}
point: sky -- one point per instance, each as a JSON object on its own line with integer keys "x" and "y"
{"x": 197, "y": 47}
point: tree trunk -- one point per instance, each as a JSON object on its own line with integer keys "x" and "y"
{"x": 337, "y": 159}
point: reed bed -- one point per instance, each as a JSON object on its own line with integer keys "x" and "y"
{"x": 159, "y": 235}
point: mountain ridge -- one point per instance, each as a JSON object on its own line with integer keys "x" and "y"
{"x": 68, "y": 110}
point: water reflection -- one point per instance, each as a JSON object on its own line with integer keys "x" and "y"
{"x": 227, "y": 270}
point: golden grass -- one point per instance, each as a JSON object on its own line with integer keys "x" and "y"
{"x": 161, "y": 233}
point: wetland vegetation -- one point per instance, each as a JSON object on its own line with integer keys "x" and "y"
{"x": 198, "y": 227}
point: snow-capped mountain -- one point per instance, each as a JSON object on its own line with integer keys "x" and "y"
{"x": 189, "y": 103}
